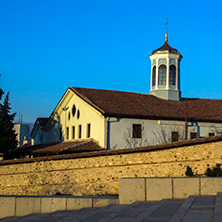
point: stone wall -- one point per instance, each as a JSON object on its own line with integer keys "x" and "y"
{"x": 158, "y": 188}
{"x": 16, "y": 206}
{"x": 99, "y": 174}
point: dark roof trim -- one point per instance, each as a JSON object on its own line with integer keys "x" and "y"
{"x": 160, "y": 118}
{"x": 83, "y": 97}
{"x": 117, "y": 152}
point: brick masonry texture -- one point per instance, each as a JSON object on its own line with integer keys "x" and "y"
{"x": 99, "y": 175}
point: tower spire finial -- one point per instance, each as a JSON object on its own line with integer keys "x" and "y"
{"x": 166, "y": 37}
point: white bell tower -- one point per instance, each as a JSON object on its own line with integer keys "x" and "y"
{"x": 165, "y": 72}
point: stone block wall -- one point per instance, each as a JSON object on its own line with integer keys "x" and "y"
{"x": 11, "y": 206}
{"x": 155, "y": 189}
{"x": 100, "y": 174}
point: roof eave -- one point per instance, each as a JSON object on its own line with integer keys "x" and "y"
{"x": 160, "y": 118}
{"x": 56, "y": 108}
{"x": 87, "y": 100}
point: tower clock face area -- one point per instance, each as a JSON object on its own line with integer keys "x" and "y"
{"x": 165, "y": 72}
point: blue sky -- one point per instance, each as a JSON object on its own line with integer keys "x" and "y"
{"x": 48, "y": 45}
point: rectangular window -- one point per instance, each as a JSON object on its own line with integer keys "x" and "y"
{"x": 67, "y": 133}
{"x": 137, "y": 131}
{"x": 193, "y": 135}
{"x": 73, "y": 132}
{"x": 88, "y": 130}
{"x": 80, "y": 131}
{"x": 60, "y": 133}
{"x": 174, "y": 136}
{"x": 211, "y": 134}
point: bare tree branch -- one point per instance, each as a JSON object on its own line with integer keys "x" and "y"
{"x": 131, "y": 142}
{"x": 164, "y": 134}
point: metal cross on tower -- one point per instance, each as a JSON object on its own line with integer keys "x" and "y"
{"x": 166, "y": 37}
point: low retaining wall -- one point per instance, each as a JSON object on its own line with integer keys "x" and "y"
{"x": 130, "y": 190}
{"x": 11, "y": 206}
{"x": 153, "y": 189}
{"x": 98, "y": 173}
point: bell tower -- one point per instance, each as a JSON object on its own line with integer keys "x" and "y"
{"x": 165, "y": 72}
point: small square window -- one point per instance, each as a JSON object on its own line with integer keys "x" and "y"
{"x": 80, "y": 131}
{"x": 137, "y": 131}
{"x": 211, "y": 134}
{"x": 193, "y": 135}
{"x": 174, "y": 136}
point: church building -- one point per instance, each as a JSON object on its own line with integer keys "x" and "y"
{"x": 117, "y": 120}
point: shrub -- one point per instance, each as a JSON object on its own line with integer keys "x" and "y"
{"x": 189, "y": 172}
{"x": 215, "y": 171}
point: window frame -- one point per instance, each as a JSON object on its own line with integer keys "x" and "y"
{"x": 172, "y": 77}
{"x": 60, "y": 133}
{"x": 162, "y": 75}
{"x": 174, "y": 136}
{"x": 137, "y": 131}
{"x": 211, "y": 134}
{"x": 192, "y": 135}
{"x": 154, "y": 76}
{"x": 88, "y": 132}
{"x": 73, "y": 132}
{"x": 80, "y": 132}
{"x": 67, "y": 133}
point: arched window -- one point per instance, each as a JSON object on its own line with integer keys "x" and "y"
{"x": 173, "y": 75}
{"x": 154, "y": 76}
{"x": 162, "y": 75}
{"x": 178, "y": 76}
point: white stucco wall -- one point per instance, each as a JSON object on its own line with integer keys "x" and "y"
{"x": 153, "y": 131}
{"x": 41, "y": 136}
{"x": 22, "y": 131}
{"x": 88, "y": 115}
{"x": 118, "y": 130}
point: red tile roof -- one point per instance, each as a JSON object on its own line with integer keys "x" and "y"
{"x": 151, "y": 148}
{"x": 77, "y": 146}
{"x": 25, "y": 145}
{"x": 42, "y": 120}
{"x": 136, "y": 105}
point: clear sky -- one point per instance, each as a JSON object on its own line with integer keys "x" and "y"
{"x": 47, "y": 46}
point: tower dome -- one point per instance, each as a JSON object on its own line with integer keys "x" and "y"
{"x": 165, "y": 72}
{"x": 165, "y": 48}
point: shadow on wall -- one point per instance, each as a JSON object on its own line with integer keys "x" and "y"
{"x": 56, "y": 134}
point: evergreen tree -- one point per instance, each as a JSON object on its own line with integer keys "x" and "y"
{"x": 1, "y": 93}
{"x": 7, "y": 134}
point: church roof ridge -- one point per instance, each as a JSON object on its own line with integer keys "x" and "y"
{"x": 111, "y": 90}
{"x": 121, "y": 104}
